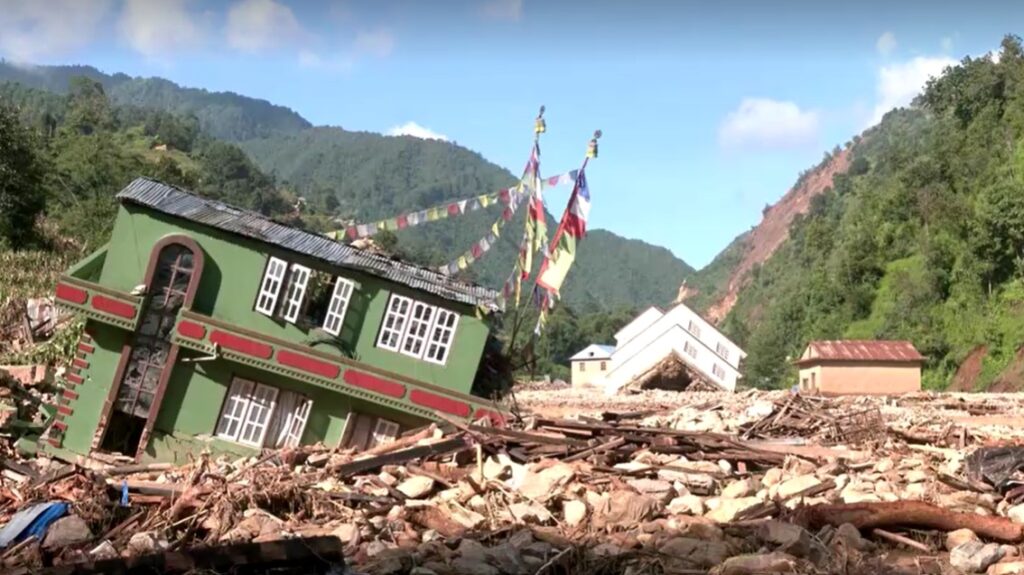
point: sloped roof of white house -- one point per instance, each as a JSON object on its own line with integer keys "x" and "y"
{"x": 594, "y": 351}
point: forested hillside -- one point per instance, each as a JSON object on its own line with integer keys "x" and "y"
{"x": 223, "y": 115}
{"x": 922, "y": 239}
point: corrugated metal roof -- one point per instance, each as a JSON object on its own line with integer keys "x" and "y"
{"x": 177, "y": 202}
{"x": 861, "y": 350}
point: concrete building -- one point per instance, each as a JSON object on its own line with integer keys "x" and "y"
{"x": 851, "y": 367}
{"x": 590, "y": 364}
{"x": 679, "y": 339}
{"x": 213, "y": 328}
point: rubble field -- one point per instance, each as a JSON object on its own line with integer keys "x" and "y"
{"x": 654, "y": 483}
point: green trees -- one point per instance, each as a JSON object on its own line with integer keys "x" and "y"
{"x": 922, "y": 239}
{"x": 22, "y": 196}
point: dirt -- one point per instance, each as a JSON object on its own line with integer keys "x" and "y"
{"x": 768, "y": 235}
{"x": 966, "y": 376}
{"x": 1012, "y": 378}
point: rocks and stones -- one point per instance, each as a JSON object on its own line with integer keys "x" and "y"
{"x": 544, "y": 484}
{"x": 797, "y": 485}
{"x": 743, "y": 488}
{"x": 1016, "y": 513}
{"x": 850, "y": 537}
{"x": 103, "y": 551}
{"x": 67, "y": 531}
{"x": 687, "y": 504}
{"x": 1006, "y": 568}
{"x": 656, "y": 488}
{"x": 973, "y": 556}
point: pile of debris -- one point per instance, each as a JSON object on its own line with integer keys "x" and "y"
{"x": 584, "y": 495}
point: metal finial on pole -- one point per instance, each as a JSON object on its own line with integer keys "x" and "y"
{"x": 592, "y": 146}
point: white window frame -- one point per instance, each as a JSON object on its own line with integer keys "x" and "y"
{"x": 419, "y": 326}
{"x": 690, "y": 349}
{"x": 298, "y": 279}
{"x": 693, "y": 328}
{"x": 718, "y": 371}
{"x": 288, "y": 426}
{"x": 338, "y": 307}
{"x": 399, "y": 318}
{"x": 250, "y": 405}
{"x": 270, "y": 286}
{"x": 442, "y": 336}
{"x": 386, "y": 435}
{"x": 723, "y": 350}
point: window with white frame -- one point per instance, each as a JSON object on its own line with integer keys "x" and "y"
{"x": 259, "y": 415}
{"x": 273, "y": 277}
{"x": 384, "y": 432}
{"x": 722, "y": 350}
{"x": 441, "y": 336}
{"x": 717, "y": 371}
{"x": 419, "y": 325}
{"x": 693, "y": 328}
{"x": 418, "y": 329}
{"x": 690, "y": 349}
{"x": 298, "y": 279}
{"x": 395, "y": 319}
{"x": 339, "y": 305}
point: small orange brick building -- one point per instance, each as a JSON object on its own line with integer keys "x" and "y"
{"x": 854, "y": 367}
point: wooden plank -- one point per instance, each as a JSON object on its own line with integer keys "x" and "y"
{"x": 527, "y": 437}
{"x": 398, "y": 457}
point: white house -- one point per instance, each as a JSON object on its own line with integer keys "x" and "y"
{"x": 590, "y": 364}
{"x": 679, "y": 333}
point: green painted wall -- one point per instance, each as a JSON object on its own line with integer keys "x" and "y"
{"x": 230, "y": 282}
{"x": 92, "y": 393}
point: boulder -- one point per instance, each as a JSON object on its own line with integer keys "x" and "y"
{"x": 957, "y": 538}
{"x": 1007, "y": 568}
{"x": 656, "y": 488}
{"x": 544, "y": 484}
{"x": 623, "y": 509}
{"x": 791, "y": 487}
{"x": 103, "y": 551}
{"x": 1016, "y": 513}
{"x": 727, "y": 510}
{"x": 850, "y": 537}
{"x": 66, "y": 532}
{"x": 743, "y": 488}
{"x": 758, "y": 564}
{"x": 416, "y": 487}
{"x": 530, "y": 513}
{"x": 687, "y": 504}
{"x": 772, "y": 477}
{"x": 916, "y": 476}
{"x": 695, "y": 552}
{"x": 574, "y": 511}
{"x": 973, "y": 556}
{"x": 465, "y": 566}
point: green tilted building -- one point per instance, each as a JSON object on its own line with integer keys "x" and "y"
{"x": 213, "y": 328}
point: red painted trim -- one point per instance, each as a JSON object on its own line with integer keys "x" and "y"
{"x": 72, "y": 294}
{"x": 495, "y": 417}
{"x": 241, "y": 344}
{"x": 440, "y": 403}
{"x": 65, "y": 410}
{"x": 86, "y": 348}
{"x": 308, "y": 364}
{"x": 376, "y": 384}
{"x": 113, "y": 306}
{"x": 74, "y": 378}
{"x": 70, "y": 394}
{"x": 60, "y": 425}
{"x": 191, "y": 330}
{"x": 53, "y": 442}
{"x": 80, "y": 363}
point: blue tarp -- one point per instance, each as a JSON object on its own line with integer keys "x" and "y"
{"x": 33, "y": 520}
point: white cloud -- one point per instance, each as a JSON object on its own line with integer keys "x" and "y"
{"x": 31, "y": 30}
{"x": 158, "y": 29}
{"x": 417, "y": 131}
{"x": 947, "y": 44}
{"x": 377, "y": 43}
{"x": 511, "y": 10}
{"x": 886, "y": 43}
{"x": 257, "y": 25}
{"x": 900, "y": 82}
{"x": 766, "y": 123}
{"x": 334, "y": 63}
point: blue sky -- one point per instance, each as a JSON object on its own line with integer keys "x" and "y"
{"x": 709, "y": 109}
